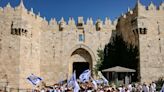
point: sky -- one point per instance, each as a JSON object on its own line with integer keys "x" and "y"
{"x": 74, "y": 8}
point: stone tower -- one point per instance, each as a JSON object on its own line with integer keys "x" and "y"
{"x": 51, "y": 50}
{"x": 20, "y": 44}
{"x": 143, "y": 27}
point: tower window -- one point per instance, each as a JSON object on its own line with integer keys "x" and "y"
{"x": 80, "y": 24}
{"x": 145, "y": 31}
{"x": 18, "y": 31}
{"x": 81, "y": 37}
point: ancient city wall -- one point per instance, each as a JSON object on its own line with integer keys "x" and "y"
{"x": 58, "y": 43}
{"x": 143, "y": 28}
{"x": 30, "y": 44}
{"x": 151, "y": 43}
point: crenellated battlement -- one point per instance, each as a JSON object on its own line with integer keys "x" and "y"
{"x": 80, "y": 23}
{"x": 141, "y": 9}
{"x": 151, "y": 6}
{"x": 20, "y": 10}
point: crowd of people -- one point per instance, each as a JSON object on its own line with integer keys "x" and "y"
{"x": 85, "y": 83}
{"x": 90, "y": 87}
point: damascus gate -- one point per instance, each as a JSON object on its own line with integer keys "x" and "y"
{"x": 31, "y": 44}
{"x": 54, "y": 49}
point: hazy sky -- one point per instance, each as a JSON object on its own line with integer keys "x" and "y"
{"x": 74, "y": 8}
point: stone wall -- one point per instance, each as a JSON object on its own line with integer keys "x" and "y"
{"x": 57, "y": 47}
{"x": 151, "y": 43}
{"x": 30, "y": 44}
{"x": 143, "y": 28}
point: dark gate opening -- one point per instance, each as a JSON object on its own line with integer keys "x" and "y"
{"x": 79, "y": 67}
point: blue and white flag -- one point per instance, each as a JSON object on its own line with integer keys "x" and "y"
{"x": 73, "y": 83}
{"x": 162, "y": 89}
{"x": 103, "y": 78}
{"x": 76, "y": 87}
{"x": 85, "y": 76}
{"x": 34, "y": 79}
{"x": 99, "y": 81}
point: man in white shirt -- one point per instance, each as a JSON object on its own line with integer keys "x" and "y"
{"x": 120, "y": 88}
{"x": 154, "y": 86}
{"x": 42, "y": 90}
{"x": 151, "y": 88}
{"x": 130, "y": 87}
{"x": 145, "y": 88}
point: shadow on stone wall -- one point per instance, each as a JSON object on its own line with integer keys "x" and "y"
{"x": 120, "y": 53}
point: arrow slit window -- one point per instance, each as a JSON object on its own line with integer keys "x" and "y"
{"x": 81, "y": 37}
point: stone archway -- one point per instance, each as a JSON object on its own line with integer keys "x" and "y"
{"x": 80, "y": 55}
{"x": 81, "y": 60}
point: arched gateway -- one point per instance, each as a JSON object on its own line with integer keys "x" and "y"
{"x": 81, "y": 57}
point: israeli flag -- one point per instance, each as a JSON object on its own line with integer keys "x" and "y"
{"x": 105, "y": 81}
{"x": 85, "y": 76}
{"x": 70, "y": 82}
{"x": 76, "y": 87}
{"x": 103, "y": 78}
{"x": 73, "y": 83}
{"x": 34, "y": 79}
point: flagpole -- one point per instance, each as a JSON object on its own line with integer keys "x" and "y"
{"x": 33, "y": 87}
{"x": 75, "y": 73}
{"x": 67, "y": 78}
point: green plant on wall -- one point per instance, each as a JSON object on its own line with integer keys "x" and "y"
{"x": 100, "y": 54}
